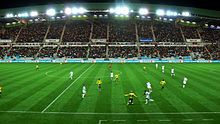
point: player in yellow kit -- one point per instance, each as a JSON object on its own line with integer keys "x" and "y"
{"x": 37, "y": 67}
{"x": 131, "y": 96}
{"x": 99, "y": 83}
{"x": 116, "y": 77}
{"x": 162, "y": 84}
{"x": 0, "y": 91}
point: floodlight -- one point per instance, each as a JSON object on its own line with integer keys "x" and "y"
{"x": 74, "y": 10}
{"x": 185, "y": 14}
{"x": 160, "y": 12}
{"x": 23, "y": 14}
{"x": 10, "y": 15}
{"x": 68, "y": 11}
{"x": 81, "y": 10}
{"x": 112, "y": 10}
{"x": 171, "y": 13}
{"x": 188, "y": 22}
{"x": 194, "y": 23}
{"x": 33, "y": 13}
{"x": 143, "y": 11}
{"x": 122, "y": 10}
{"x": 51, "y": 12}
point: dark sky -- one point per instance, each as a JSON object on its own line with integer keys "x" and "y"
{"x": 207, "y": 4}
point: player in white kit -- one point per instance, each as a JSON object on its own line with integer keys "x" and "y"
{"x": 184, "y": 81}
{"x": 163, "y": 68}
{"x": 148, "y": 99}
{"x": 111, "y": 75}
{"x": 83, "y": 91}
{"x": 71, "y": 75}
{"x": 148, "y": 84}
{"x": 156, "y": 65}
{"x": 172, "y": 72}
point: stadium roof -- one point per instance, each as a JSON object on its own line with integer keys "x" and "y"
{"x": 104, "y": 6}
{"x": 205, "y": 4}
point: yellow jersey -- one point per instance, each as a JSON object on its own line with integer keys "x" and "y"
{"x": 99, "y": 82}
{"x": 131, "y": 95}
{"x": 117, "y": 76}
{"x": 0, "y": 89}
{"x": 162, "y": 82}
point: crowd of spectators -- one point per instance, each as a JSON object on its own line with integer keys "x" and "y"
{"x": 47, "y": 52}
{"x": 167, "y": 32}
{"x": 144, "y": 29}
{"x": 72, "y": 52}
{"x": 99, "y": 29}
{"x": 97, "y": 52}
{"x": 9, "y": 33}
{"x": 190, "y": 32}
{"x": 122, "y": 31}
{"x": 34, "y": 32}
{"x": 3, "y": 52}
{"x": 55, "y": 30}
{"x": 23, "y": 51}
{"x": 122, "y": 52}
{"x": 77, "y": 31}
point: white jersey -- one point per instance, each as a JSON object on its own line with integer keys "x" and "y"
{"x": 147, "y": 95}
{"x": 84, "y": 90}
{"x": 163, "y": 67}
{"x": 156, "y": 66}
{"x": 148, "y": 85}
{"x": 185, "y": 80}
{"x": 111, "y": 75}
{"x": 172, "y": 71}
{"x": 71, "y": 74}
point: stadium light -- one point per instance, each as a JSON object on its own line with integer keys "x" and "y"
{"x": 160, "y": 12}
{"x": 81, "y": 10}
{"x": 9, "y": 15}
{"x": 68, "y": 11}
{"x": 33, "y": 13}
{"x": 23, "y": 14}
{"x": 120, "y": 10}
{"x": 185, "y": 14}
{"x": 143, "y": 11}
{"x": 51, "y": 12}
{"x": 171, "y": 13}
{"x": 111, "y": 10}
{"x": 194, "y": 23}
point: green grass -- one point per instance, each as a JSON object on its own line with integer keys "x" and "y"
{"x": 31, "y": 96}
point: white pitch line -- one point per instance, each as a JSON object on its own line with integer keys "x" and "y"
{"x": 100, "y": 121}
{"x": 205, "y": 119}
{"x": 92, "y": 113}
{"x": 65, "y": 90}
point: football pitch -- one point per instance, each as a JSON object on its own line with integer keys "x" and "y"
{"x": 48, "y": 96}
